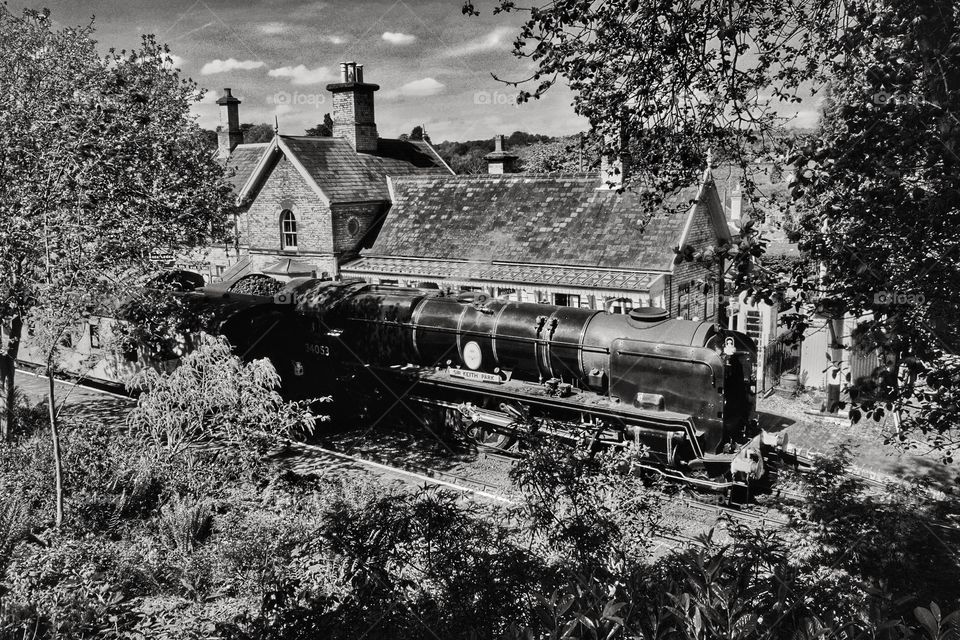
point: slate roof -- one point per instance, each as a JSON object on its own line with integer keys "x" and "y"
{"x": 343, "y": 175}
{"x": 243, "y": 160}
{"x": 513, "y": 218}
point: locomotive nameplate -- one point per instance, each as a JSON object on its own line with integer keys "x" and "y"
{"x": 477, "y": 376}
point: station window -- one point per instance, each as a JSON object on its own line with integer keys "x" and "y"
{"x": 566, "y": 300}
{"x": 288, "y": 230}
{"x": 709, "y": 304}
{"x": 621, "y": 305}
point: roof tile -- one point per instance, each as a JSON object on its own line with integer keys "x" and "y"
{"x": 568, "y": 220}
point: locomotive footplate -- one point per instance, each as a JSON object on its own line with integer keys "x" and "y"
{"x": 535, "y": 395}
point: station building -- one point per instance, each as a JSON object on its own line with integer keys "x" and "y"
{"x": 355, "y": 205}
{"x": 310, "y": 203}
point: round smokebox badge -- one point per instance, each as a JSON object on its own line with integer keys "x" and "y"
{"x": 472, "y": 356}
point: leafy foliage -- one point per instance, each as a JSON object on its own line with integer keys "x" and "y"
{"x": 324, "y": 129}
{"x": 585, "y": 505}
{"x": 214, "y": 396}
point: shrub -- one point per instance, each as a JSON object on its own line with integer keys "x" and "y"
{"x": 214, "y": 396}
{"x": 185, "y": 523}
{"x": 586, "y": 507}
{"x": 77, "y": 588}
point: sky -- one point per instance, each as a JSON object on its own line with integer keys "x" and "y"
{"x": 433, "y": 64}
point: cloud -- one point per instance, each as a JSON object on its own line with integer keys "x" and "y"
{"x": 395, "y": 37}
{"x": 301, "y": 75}
{"x": 273, "y": 28}
{"x": 418, "y": 88}
{"x": 231, "y": 64}
{"x": 499, "y": 38}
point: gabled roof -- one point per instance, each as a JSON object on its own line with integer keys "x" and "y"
{"x": 550, "y": 220}
{"x": 337, "y": 172}
{"x": 242, "y": 162}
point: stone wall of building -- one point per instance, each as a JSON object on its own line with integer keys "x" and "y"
{"x": 285, "y": 188}
{"x": 351, "y": 223}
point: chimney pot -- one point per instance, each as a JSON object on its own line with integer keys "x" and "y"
{"x": 343, "y": 71}
{"x": 359, "y": 73}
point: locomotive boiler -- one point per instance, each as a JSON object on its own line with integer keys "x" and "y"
{"x": 685, "y": 389}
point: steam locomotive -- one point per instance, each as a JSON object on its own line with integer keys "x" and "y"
{"x": 685, "y": 389}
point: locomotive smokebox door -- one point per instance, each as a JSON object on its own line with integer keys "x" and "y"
{"x": 472, "y": 355}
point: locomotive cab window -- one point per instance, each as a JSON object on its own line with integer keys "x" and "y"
{"x": 288, "y": 230}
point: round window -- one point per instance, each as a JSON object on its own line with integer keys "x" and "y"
{"x": 353, "y": 226}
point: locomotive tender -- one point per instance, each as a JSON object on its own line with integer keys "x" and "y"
{"x": 684, "y": 388}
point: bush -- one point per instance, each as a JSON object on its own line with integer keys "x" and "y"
{"x": 586, "y": 507}
{"x": 77, "y": 588}
{"x": 213, "y": 396}
{"x": 185, "y": 523}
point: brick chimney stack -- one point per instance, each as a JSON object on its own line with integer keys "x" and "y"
{"x": 615, "y": 169}
{"x": 229, "y": 134}
{"x": 500, "y": 160}
{"x": 353, "y": 115}
{"x": 736, "y": 203}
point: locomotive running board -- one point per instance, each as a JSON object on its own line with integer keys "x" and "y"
{"x": 509, "y": 391}
{"x": 505, "y": 422}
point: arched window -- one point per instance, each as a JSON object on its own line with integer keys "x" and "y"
{"x": 288, "y": 230}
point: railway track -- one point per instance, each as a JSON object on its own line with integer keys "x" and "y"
{"x": 316, "y": 459}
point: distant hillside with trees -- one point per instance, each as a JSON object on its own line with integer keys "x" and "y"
{"x": 538, "y": 153}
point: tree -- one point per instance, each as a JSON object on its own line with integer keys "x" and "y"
{"x": 877, "y": 181}
{"x": 214, "y": 396}
{"x": 324, "y": 130}
{"x": 879, "y": 185}
{"x": 419, "y": 133}
{"x": 253, "y": 133}
{"x": 101, "y": 163}
{"x": 567, "y": 155}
